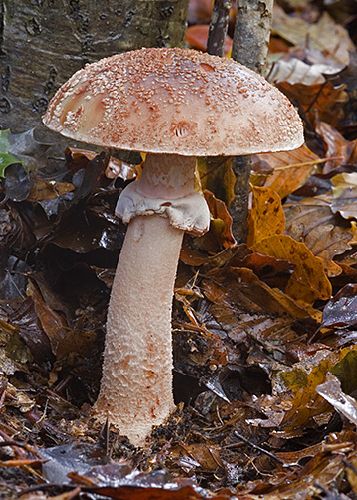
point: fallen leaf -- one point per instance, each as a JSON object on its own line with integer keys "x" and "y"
{"x": 331, "y": 391}
{"x": 242, "y": 289}
{"x": 326, "y": 36}
{"x": 292, "y": 70}
{"x": 323, "y": 102}
{"x": 266, "y": 216}
{"x": 48, "y": 190}
{"x": 303, "y": 380}
{"x": 337, "y": 147}
{"x": 208, "y": 456}
{"x": 341, "y": 310}
{"x": 216, "y": 174}
{"x": 308, "y": 281}
{"x": 221, "y": 225}
{"x": 312, "y": 222}
{"x": 291, "y": 169}
{"x": 345, "y": 195}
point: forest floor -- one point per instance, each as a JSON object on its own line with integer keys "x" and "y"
{"x": 264, "y": 333}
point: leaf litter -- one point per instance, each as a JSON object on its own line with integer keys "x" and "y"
{"x": 264, "y": 333}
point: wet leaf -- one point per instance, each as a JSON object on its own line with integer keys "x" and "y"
{"x": 341, "y": 310}
{"x": 48, "y": 190}
{"x": 306, "y": 403}
{"x": 207, "y": 456}
{"x": 331, "y": 391}
{"x": 6, "y": 158}
{"x": 266, "y": 216}
{"x": 17, "y": 182}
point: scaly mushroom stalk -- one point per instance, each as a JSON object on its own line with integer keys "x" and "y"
{"x": 136, "y": 388}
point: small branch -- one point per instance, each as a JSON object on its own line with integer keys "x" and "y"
{"x": 252, "y": 33}
{"x": 250, "y": 47}
{"x": 218, "y": 27}
{"x": 259, "y": 448}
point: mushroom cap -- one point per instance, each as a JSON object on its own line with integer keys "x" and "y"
{"x": 181, "y": 101}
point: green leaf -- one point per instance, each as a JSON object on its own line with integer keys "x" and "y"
{"x": 6, "y": 158}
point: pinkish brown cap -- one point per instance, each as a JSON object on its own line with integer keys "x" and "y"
{"x": 174, "y": 101}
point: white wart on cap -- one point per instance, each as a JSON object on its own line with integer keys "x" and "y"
{"x": 175, "y": 101}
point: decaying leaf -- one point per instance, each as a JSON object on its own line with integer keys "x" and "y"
{"x": 48, "y": 190}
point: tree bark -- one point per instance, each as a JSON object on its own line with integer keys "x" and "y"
{"x": 43, "y": 42}
{"x": 250, "y": 47}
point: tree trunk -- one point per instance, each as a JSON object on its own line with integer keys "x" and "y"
{"x": 250, "y": 47}
{"x": 43, "y": 42}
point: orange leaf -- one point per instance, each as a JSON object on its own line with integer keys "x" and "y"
{"x": 308, "y": 281}
{"x": 266, "y": 216}
{"x": 291, "y": 169}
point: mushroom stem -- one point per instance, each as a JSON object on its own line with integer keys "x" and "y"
{"x": 136, "y": 388}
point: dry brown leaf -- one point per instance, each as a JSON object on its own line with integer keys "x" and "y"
{"x": 208, "y": 456}
{"x": 291, "y": 169}
{"x": 221, "y": 226}
{"x": 266, "y": 216}
{"x": 324, "y": 102}
{"x": 292, "y": 70}
{"x": 241, "y": 288}
{"x": 312, "y": 222}
{"x": 308, "y": 281}
{"x": 337, "y": 146}
{"x": 326, "y": 36}
{"x": 48, "y": 190}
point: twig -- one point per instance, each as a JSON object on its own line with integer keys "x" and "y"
{"x": 259, "y": 448}
{"x": 250, "y": 47}
{"x": 218, "y": 27}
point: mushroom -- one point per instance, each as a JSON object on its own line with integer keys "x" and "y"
{"x": 174, "y": 104}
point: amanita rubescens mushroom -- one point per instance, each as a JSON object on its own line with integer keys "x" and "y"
{"x": 174, "y": 104}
